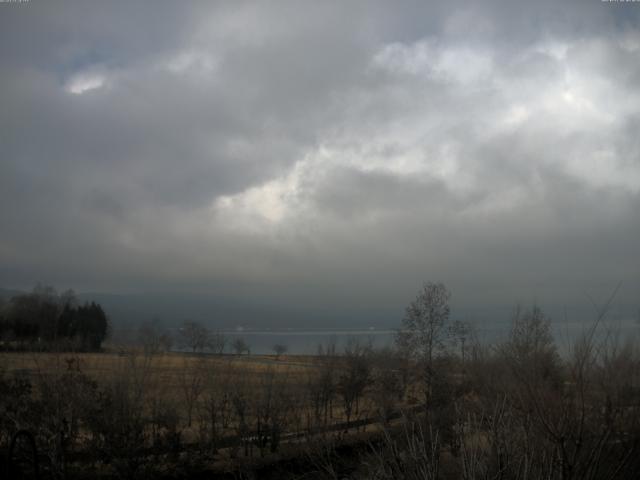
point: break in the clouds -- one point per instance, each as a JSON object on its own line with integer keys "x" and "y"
{"x": 320, "y": 152}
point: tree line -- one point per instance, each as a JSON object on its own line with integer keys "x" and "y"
{"x": 44, "y": 319}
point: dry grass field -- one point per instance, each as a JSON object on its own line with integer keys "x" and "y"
{"x": 98, "y": 364}
{"x": 185, "y": 381}
{"x": 167, "y": 376}
{"x": 168, "y": 366}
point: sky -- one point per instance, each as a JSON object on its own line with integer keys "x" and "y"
{"x": 323, "y": 154}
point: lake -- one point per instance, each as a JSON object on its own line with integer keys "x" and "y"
{"x": 304, "y": 342}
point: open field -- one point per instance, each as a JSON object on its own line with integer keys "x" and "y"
{"x": 166, "y": 367}
{"x": 228, "y": 405}
{"x": 171, "y": 376}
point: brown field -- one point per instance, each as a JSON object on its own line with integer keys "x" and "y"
{"x": 167, "y": 366}
{"x": 166, "y": 375}
{"x": 275, "y": 393}
{"x": 173, "y": 378}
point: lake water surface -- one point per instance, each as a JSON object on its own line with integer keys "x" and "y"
{"x": 304, "y": 342}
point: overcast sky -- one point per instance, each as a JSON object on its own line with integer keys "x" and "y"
{"x": 335, "y": 153}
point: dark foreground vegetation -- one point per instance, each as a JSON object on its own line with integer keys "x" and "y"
{"x": 438, "y": 406}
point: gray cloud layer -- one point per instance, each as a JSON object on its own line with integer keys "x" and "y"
{"x": 322, "y": 153}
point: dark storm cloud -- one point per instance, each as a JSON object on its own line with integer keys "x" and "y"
{"x": 327, "y": 152}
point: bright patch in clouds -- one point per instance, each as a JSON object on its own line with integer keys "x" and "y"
{"x": 85, "y": 82}
{"x": 191, "y": 61}
{"x": 260, "y": 206}
{"x": 564, "y": 123}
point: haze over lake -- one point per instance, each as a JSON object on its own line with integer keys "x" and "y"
{"x": 622, "y": 330}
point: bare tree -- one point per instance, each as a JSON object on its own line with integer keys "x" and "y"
{"x": 240, "y": 406}
{"x": 118, "y": 422}
{"x": 194, "y": 336}
{"x": 215, "y": 407}
{"x": 279, "y": 349}
{"x": 240, "y": 346}
{"x": 322, "y": 384}
{"x": 423, "y": 333}
{"x": 573, "y": 421}
{"x": 271, "y": 405}
{"x": 354, "y": 377}
{"x": 217, "y": 342}
{"x": 414, "y": 454}
{"x": 192, "y": 378}
{"x": 153, "y": 337}
{"x": 423, "y": 327}
{"x": 460, "y": 333}
{"x": 531, "y": 348}
{"x": 386, "y": 385}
